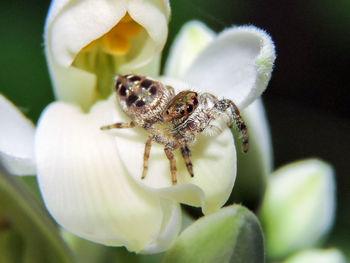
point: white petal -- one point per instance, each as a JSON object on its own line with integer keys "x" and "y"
{"x": 86, "y": 187}
{"x": 193, "y": 37}
{"x": 17, "y": 140}
{"x": 255, "y": 166}
{"x": 170, "y": 228}
{"x": 237, "y": 65}
{"x": 71, "y": 26}
{"x": 72, "y": 85}
{"x": 151, "y": 69}
{"x": 259, "y": 131}
{"x": 213, "y": 158}
{"x": 156, "y": 25}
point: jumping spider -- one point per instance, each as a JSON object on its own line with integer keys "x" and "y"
{"x": 172, "y": 120}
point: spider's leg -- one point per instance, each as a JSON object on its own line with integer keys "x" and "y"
{"x": 146, "y": 155}
{"x": 169, "y": 154}
{"x": 186, "y": 153}
{"x": 118, "y": 125}
{"x": 235, "y": 115}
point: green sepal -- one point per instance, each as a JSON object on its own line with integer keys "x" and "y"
{"x": 232, "y": 234}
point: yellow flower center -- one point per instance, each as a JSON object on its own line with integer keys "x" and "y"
{"x": 117, "y": 40}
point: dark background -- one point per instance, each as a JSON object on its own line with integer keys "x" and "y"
{"x": 308, "y": 98}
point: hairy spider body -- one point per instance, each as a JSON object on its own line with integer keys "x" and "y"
{"x": 172, "y": 119}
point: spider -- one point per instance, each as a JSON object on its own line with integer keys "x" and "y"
{"x": 172, "y": 120}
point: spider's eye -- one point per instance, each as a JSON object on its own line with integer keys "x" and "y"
{"x": 122, "y": 91}
{"x": 195, "y": 101}
{"x": 153, "y": 90}
{"x": 134, "y": 78}
{"x": 146, "y": 83}
{"x": 118, "y": 85}
{"x": 189, "y": 108}
{"x": 182, "y": 111}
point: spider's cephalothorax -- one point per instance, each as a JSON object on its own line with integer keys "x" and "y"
{"x": 172, "y": 120}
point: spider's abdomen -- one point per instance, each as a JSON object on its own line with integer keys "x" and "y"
{"x": 141, "y": 97}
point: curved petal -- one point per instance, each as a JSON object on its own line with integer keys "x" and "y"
{"x": 86, "y": 188}
{"x": 255, "y": 115}
{"x": 169, "y": 230}
{"x": 17, "y": 140}
{"x": 213, "y": 158}
{"x": 193, "y": 37}
{"x": 156, "y": 25}
{"x": 74, "y": 24}
{"x": 237, "y": 65}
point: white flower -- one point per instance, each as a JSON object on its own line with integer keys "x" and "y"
{"x": 299, "y": 207}
{"x": 330, "y": 255}
{"x": 91, "y": 180}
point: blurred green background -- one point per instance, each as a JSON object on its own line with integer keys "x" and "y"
{"x": 308, "y": 98}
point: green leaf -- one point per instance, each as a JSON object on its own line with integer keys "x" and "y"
{"x": 11, "y": 245}
{"x": 232, "y": 234}
{"x": 26, "y": 228}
